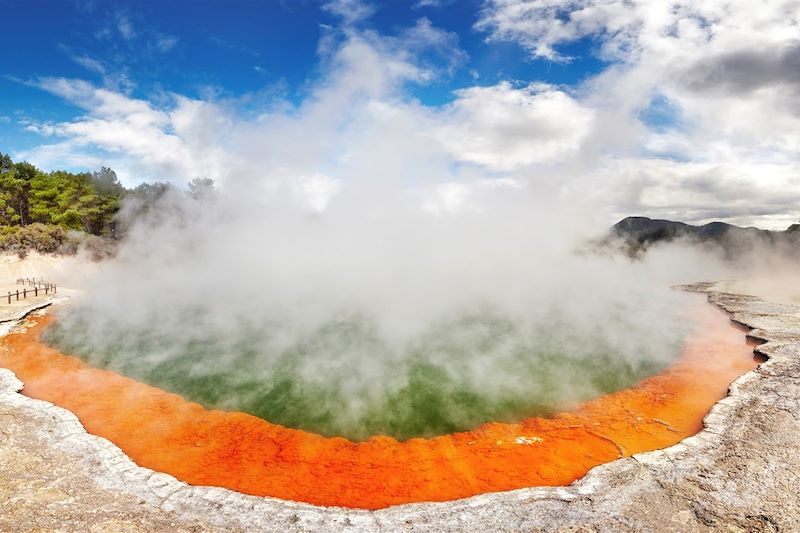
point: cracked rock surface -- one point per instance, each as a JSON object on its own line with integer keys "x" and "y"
{"x": 741, "y": 473}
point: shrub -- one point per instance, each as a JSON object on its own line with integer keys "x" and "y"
{"x": 43, "y": 238}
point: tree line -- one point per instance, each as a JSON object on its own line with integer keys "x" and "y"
{"x": 56, "y": 211}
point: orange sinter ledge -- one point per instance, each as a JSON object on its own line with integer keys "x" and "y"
{"x": 166, "y": 433}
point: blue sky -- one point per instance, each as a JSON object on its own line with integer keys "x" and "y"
{"x": 220, "y": 48}
{"x": 684, "y": 110}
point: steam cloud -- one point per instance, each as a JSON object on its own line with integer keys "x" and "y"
{"x": 317, "y": 320}
{"x": 349, "y": 268}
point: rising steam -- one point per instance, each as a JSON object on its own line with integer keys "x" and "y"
{"x": 353, "y": 276}
{"x": 375, "y": 315}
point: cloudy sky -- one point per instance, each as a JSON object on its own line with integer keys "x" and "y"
{"x": 685, "y": 110}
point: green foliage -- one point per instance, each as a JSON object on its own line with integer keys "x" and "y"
{"x": 40, "y": 237}
{"x": 106, "y": 183}
{"x": 85, "y": 202}
{"x": 201, "y": 188}
{"x": 141, "y": 200}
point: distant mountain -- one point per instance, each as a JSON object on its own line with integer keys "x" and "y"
{"x": 639, "y": 233}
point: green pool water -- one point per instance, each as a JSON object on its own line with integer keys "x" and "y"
{"x": 345, "y": 378}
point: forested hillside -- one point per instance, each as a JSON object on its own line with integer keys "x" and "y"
{"x": 86, "y": 201}
{"x": 54, "y": 212}
{"x": 637, "y": 234}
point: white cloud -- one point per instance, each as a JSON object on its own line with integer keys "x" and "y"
{"x": 431, "y": 3}
{"x": 350, "y": 11}
{"x": 424, "y": 37}
{"x": 728, "y": 149}
{"x": 89, "y": 63}
{"x": 728, "y": 70}
{"x": 503, "y": 128}
{"x": 165, "y": 43}
{"x": 61, "y": 155}
{"x": 455, "y": 197}
{"x": 44, "y": 129}
{"x": 158, "y": 140}
{"x": 358, "y": 104}
{"x": 316, "y": 190}
{"x": 142, "y": 39}
{"x": 740, "y": 192}
{"x": 541, "y": 25}
{"x": 125, "y": 27}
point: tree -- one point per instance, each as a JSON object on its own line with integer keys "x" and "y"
{"x": 14, "y": 191}
{"x": 142, "y": 200}
{"x": 25, "y": 174}
{"x": 6, "y": 164}
{"x": 106, "y": 183}
{"x": 8, "y": 191}
{"x": 87, "y": 201}
{"x": 84, "y": 201}
{"x": 202, "y": 188}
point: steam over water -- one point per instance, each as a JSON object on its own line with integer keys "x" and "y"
{"x": 370, "y": 264}
{"x": 345, "y": 378}
{"x": 401, "y": 321}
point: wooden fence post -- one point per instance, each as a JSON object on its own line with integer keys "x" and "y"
{"x": 36, "y": 286}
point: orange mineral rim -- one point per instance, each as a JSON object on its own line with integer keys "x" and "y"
{"x": 166, "y": 433}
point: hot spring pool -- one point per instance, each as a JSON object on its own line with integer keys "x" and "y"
{"x": 345, "y": 379}
{"x": 170, "y": 433}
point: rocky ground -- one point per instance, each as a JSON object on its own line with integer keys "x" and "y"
{"x": 741, "y": 473}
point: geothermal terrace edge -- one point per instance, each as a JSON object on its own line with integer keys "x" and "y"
{"x": 741, "y": 472}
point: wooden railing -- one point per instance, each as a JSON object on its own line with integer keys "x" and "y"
{"x": 38, "y": 286}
